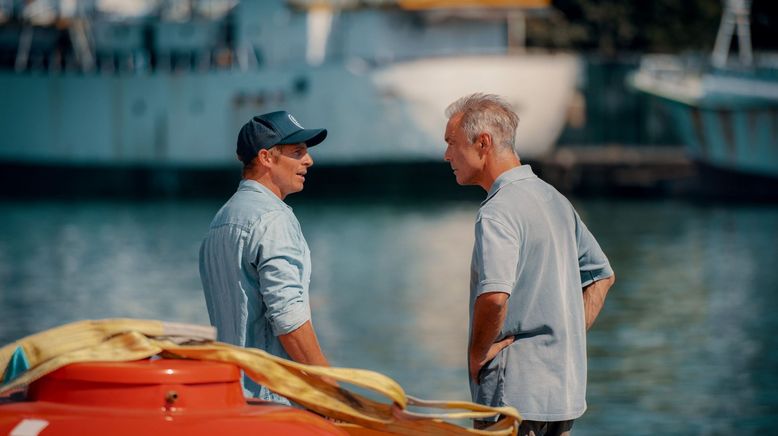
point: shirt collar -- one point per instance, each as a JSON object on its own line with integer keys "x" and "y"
{"x": 253, "y": 185}
{"x": 520, "y": 172}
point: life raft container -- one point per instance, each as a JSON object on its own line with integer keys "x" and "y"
{"x": 105, "y": 393}
{"x": 152, "y": 396}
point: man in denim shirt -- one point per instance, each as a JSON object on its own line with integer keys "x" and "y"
{"x": 255, "y": 265}
{"x": 538, "y": 276}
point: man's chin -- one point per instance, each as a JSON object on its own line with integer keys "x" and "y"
{"x": 294, "y": 190}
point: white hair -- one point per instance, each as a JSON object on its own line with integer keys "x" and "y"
{"x": 486, "y": 113}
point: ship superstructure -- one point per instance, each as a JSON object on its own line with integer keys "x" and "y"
{"x": 153, "y": 83}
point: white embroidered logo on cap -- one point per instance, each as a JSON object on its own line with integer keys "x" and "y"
{"x": 294, "y": 121}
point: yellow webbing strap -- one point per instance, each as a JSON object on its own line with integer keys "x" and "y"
{"x": 124, "y": 340}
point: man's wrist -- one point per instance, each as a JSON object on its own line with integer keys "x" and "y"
{"x": 476, "y": 360}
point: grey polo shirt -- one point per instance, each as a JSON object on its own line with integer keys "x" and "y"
{"x": 531, "y": 243}
{"x": 255, "y": 268}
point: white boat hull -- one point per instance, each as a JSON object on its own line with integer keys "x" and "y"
{"x": 395, "y": 113}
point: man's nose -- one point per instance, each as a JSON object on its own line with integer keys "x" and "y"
{"x": 308, "y": 160}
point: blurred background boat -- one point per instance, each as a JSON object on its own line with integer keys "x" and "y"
{"x": 167, "y": 84}
{"x": 725, "y": 110}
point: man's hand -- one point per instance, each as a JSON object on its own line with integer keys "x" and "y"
{"x": 330, "y": 380}
{"x": 475, "y": 367}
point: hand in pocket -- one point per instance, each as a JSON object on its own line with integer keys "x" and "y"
{"x": 493, "y": 351}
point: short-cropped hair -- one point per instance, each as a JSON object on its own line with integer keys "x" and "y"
{"x": 486, "y": 113}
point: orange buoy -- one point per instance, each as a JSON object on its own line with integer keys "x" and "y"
{"x": 162, "y": 396}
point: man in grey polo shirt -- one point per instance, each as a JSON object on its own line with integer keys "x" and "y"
{"x": 538, "y": 276}
{"x": 255, "y": 265}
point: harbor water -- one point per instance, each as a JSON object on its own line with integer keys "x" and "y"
{"x": 686, "y": 343}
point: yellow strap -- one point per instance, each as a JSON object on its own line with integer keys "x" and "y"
{"x": 42, "y": 346}
{"x": 124, "y": 340}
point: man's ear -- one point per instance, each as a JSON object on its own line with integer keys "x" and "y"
{"x": 484, "y": 141}
{"x": 264, "y": 157}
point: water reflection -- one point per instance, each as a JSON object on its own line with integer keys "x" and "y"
{"x": 688, "y": 320}
{"x": 63, "y": 262}
{"x": 390, "y": 290}
{"x": 685, "y": 345}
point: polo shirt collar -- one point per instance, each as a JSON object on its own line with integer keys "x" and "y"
{"x": 253, "y": 185}
{"x": 520, "y": 172}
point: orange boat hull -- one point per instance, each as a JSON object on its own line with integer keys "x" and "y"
{"x": 163, "y": 396}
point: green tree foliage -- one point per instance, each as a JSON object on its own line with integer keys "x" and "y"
{"x": 611, "y": 27}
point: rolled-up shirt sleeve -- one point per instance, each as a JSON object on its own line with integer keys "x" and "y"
{"x": 497, "y": 254}
{"x": 280, "y": 264}
{"x": 592, "y": 262}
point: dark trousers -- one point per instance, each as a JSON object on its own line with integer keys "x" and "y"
{"x": 541, "y": 428}
{"x": 535, "y": 428}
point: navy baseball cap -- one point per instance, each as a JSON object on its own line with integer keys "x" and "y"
{"x": 268, "y": 130}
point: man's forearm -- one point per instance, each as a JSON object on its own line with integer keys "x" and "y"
{"x": 303, "y": 346}
{"x": 488, "y": 317}
{"x": 594, "y": 298}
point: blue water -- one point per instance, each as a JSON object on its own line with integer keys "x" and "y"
{"x": 686, "y": 343}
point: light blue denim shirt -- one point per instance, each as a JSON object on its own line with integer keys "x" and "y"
{"x": 531, "y": 244}
{"x": 255, "y": 268}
